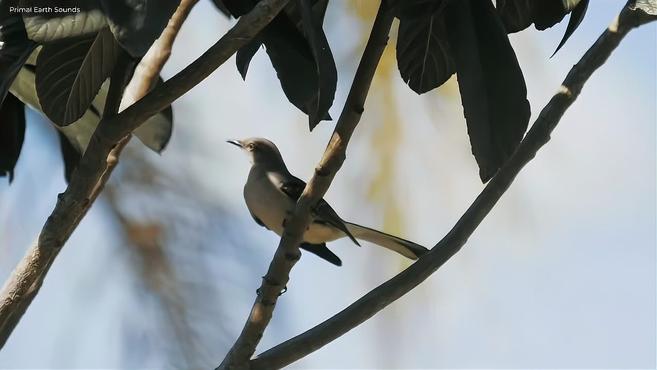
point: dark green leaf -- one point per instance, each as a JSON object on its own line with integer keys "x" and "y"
{"x": 12, "y": 133}
{"x": 64, "y": 8}
{"x": 245, "y": 54}
{"x": 520, "y": 14}
{"x": 293, "y": 60}
{"x": 326, "y": 70}
{"x": 415, "y": 9}
{"x": 576, "y": 17}
{"x": 289, "y": 51}
{"x": 69, "y": 73}
{"x": 79, "y": 131}
{"x": 423, "y": 54}
{"x": 136, "y": 24}
{"x": 319, "y": 9}
{"x": 239, "y": 7}
{"x": 293, "y": 11}
{"x": 155, "y": 133}
{"x": 222, "y": 7}
{"x": 491, "y": 84}
{"x": 15, "y": 48}
{"x": 82, "y": 17}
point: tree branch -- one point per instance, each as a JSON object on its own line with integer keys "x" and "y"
{"x": 16, "y": 295}
{"x": 26, "y": 279}
{"x": 380, "y": 297}
{"x": 149, "y": 69}
{"x": 287, "y": 252}
{"x": 143, "y": 80}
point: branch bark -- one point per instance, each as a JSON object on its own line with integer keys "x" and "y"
{"x": 16, "y": 294}
{"x": 388, "y": 292}
{"x": 287, "y": 253}
{"x": 26, "y": 279}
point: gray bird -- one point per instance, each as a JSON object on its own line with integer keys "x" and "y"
{"x": 271, "y": 193}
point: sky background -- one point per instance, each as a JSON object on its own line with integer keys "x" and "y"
{"x": 561, "y": 274}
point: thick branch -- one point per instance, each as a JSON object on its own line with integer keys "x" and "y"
{"x": 16, "y": 294}
{"x": 287, "y": 252}
{"x": 25, "y": 281}
{"x": 367, "y": 306}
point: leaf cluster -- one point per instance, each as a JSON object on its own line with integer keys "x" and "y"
{"x": 436, "y": 39}
{"x": 59, "y": 64}
{"x": 439, "y": 38}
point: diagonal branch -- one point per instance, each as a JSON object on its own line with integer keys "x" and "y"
{"x": 16, "y": 293}
{"x": 26, "y": 279}
{"x": 287, "y": 252}
{"x": 144, "y": 78}
{"x": 388, "y": 292}
{"x": 149, "y": 68}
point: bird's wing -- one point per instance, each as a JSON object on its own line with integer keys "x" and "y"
{"x": 294, "y": 186}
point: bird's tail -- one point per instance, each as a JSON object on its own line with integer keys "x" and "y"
{"x": 404, "y": 247}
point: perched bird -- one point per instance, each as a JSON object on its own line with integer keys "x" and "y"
{"x": 271, "y": 193}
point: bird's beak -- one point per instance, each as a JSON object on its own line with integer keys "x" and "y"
{"x": 235, "y": 142}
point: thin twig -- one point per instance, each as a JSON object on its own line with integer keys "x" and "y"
{"x": 388, "y": 292}
{"x": 144, "y": 79}
{"x": 149, "y": 69}
{"x": 26, "y": 279}
{"x": 112, "y": 107}
{"x": 287, "y": 252}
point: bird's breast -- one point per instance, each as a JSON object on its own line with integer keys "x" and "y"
{"x": 271, "y": 206}
{"x": 266, "y": 202}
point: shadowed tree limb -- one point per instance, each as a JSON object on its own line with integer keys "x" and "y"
{"x": 26, "y": 279}
{"x": 287, "y": 252}
{"x": 388, "y": 292}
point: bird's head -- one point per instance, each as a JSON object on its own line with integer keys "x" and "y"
{"x": 260, "y": 151}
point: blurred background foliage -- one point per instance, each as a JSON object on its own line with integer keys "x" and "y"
{"x": 164, "y": 269}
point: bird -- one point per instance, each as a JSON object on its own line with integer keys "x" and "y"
{"x": 271, "y": 193}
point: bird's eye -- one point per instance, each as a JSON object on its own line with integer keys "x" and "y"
{"x": 251, "y": 147}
